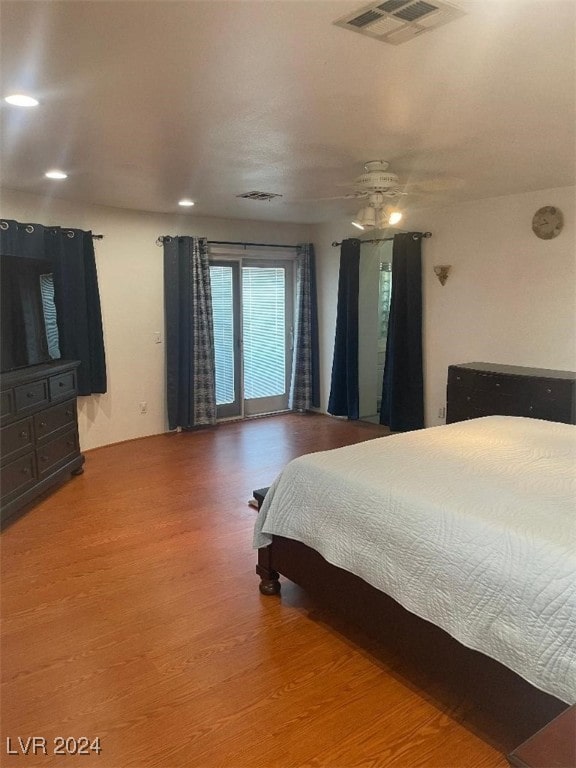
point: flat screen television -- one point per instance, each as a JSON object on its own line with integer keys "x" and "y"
{"x": 26, "y": 317}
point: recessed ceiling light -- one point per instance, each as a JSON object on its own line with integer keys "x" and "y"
{"x": 394, "y": 218}
{"x": 186, "y": 203}
{"x": 20, "y": 100}
{"x": 56, "y": 174}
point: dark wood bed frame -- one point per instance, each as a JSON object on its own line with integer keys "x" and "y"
{"x": 503, "y": 707}
{"x": 460, "y": 673}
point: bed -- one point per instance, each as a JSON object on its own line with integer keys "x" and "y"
{"x": 457, "y": 544}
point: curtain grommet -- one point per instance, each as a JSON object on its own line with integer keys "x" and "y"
{"x": 4, "y": 225}
{"x": 29, "y": 229}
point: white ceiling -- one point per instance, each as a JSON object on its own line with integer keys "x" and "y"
{"x": 143, "y": 103}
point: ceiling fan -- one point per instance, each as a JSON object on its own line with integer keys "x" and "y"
{"x": 382, "y": 192}
{"x": 379, "y": 187}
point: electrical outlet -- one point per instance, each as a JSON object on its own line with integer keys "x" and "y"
{"x": 157, "y": 337}
{"x": 144, "y": 407}
{"x": 441, "y": 413}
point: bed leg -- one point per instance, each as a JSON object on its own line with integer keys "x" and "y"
{"x": 269, "y": 586}
{"x": 269, "y": 578}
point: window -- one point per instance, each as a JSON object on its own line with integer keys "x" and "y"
{"x": 252, "y": 306}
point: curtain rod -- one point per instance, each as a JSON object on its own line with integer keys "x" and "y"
{"x": 415, "y": 236}
{"x": 167, "y": 238}
{"x": 250, "y": 245}
{"x": 29, "y": 228}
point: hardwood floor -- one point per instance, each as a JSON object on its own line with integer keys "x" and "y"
{"x": 131, "y": 612}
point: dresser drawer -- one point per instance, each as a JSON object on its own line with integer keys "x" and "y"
{"x": 461, "y": 378}
{"x": 551, "y": 410}
{"x": 6, "y": 405}
{"x": 493, "y": 383}
{"x": 54, "y": 418}
{"x": 63, "y": 385}
{"x": 18, "y": 475}
{"x": 31, "y": 395}
{"x": 16, "y": 438}
{"x": 484, "y": 381}
{"x": 550, "y": 389}
{"x": 56, "y": 452}
{"x": 479, "y": 402}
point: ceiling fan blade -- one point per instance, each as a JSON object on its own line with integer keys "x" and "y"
{"x": 350, "y": 196}
{"x": 432, "y": 185}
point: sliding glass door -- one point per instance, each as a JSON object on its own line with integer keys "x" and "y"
{"x": 253, "y": 328}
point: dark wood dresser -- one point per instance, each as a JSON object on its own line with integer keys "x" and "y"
{"x": 488, "y": 389}
{"x": 39, "y": 443}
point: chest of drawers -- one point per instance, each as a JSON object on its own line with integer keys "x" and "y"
{"x": 486, "y": 389}
{"x": 39, "y": 443}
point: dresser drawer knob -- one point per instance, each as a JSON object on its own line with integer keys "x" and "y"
{"x": 60, "y": 383}
{"x": 69, "y": 412}
{"x": 497, "y": 384}
{"x": 30, "y": 395}
{"x": 468, "y": 398}
{"x": 23, "y": 435}
{"x": 549, "y": 391}
{"x": 25, "y": 470}
{"x": 42, "y": 424}
{"x": 70, "y": 443}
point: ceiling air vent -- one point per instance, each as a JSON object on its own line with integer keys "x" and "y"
{"x": 259, "y": 195}
{"x": 397, "y": 21}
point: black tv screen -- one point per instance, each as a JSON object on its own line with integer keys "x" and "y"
{"x": 23, "y": 328}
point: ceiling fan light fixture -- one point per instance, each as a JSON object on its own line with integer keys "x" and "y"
{"x": 21, "y": 100}
{"x": 56, "y": 174}
{"x": 382, "y": 219}
{"x": 366, "y": 217}
{"x": 378, "y": 217}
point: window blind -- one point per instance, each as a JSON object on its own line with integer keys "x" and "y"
{"x": 264, "y": 332}
{"x": 223, "y": 320}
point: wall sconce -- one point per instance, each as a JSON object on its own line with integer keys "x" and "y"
{"x": 441, "y": 272}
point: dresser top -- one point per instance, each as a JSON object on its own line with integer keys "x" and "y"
{"x": 517, "y": 370}
{"x": 30, "y": 372}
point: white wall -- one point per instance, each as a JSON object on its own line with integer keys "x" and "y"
{"x": 130, "y": 278}
{"x": 510, "y": 297}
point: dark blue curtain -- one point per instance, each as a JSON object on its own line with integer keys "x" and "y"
{"x": 69, "y": 254}
{"x": 190, "y": 363}
{"x": 77, "y": 301}
{"x": 344, "y": 398}
{"x": 403, "y": 386}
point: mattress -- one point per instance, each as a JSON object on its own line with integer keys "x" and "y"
{"x": 471, "y": 526}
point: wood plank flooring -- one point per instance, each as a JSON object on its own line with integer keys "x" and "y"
{"x": 131, "y": 613}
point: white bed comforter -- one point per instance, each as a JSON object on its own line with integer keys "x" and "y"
{"x": 471, "y": 526}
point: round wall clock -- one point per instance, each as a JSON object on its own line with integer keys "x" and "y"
{"x": 547, "y": 222}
